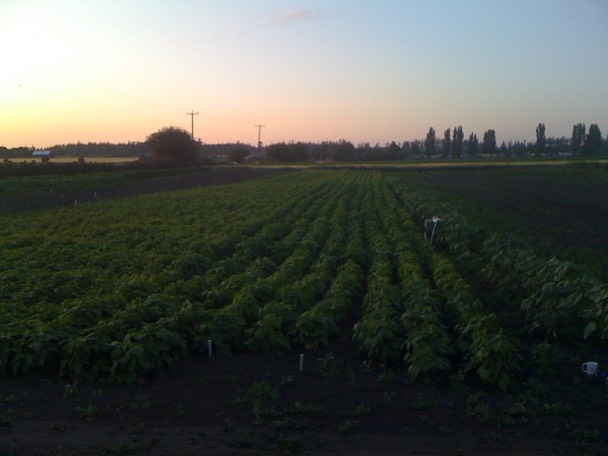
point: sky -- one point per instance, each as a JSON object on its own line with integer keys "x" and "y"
{"x": 370, "y": 71}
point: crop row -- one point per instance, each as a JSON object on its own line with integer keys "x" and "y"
{"x": 556, "y": 299}
{"x": 419, "y": 310}
{"x": 89, "y": 287}
{"x": 238, "y": 269}
{"x": 120, "y": 288}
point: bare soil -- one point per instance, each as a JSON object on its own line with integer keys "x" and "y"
{"x": 68, "y": 197}
{"x": 255, "y": 403}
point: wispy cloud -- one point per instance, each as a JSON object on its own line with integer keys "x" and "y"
{"x": 295, "y": 15}
{"x": 212, "y": 36}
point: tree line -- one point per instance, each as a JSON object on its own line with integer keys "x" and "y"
{"x": 174, "y": 146}
{"x": 130, "y": 149}
{"x": 452, "y": 145}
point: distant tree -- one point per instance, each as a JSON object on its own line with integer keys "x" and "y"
{"x": 473, "y": 148}
{"x": 541, "y": 140}
{"x": 489, "y": 142}
{"x": 394, "y": 151}
{"x": 292, "y": 152}
{"x": 518, "y": 149}
{"x": 593, "y": 142}
{"x": 57, "y": 151}
{"x": 578, "y": 138}
{"x": 415, "y": 148}
{"x": 278, "y": 152}
{"x": 343, "y": 150}
{"x": 447, "y": 142}
{"x": 174, "y": 147}
{"x": 320, "y": 151}
{"x": 457, "y": 139}
{"x": 504, "y": 151}
{"x": 406, "y": 149}
{"x": 239, "y": 153}
{"x": 429, "y": 142}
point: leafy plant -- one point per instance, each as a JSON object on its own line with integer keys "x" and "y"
{"x": 347, "y": 426}
{"x": 328, "y": 366}
{"x": 363, "y": 409}
{"x": 87, "y": 413}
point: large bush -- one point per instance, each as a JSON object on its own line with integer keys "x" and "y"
{"x": 173, "y": 146}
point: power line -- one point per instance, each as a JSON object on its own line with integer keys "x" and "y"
{"x": 259, "y": 135}
{"x": 192, "y": 114}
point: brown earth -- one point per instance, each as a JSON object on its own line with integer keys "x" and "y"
{"x": 65, "y": 197}
{"x": 255, "y": 403}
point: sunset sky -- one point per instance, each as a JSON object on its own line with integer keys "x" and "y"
{"x": 364, "y": 70}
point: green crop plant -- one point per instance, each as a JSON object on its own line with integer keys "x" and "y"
{"x": 119, "y": 289}
{"x": 88, "y": 412}
{"x": 347, "y": 426}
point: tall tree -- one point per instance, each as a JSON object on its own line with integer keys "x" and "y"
{"x": 473, "y": 147}
{"x": 541, "y": 139}
{"x": 429, "y": 142}
{"x": 457, "y": 139}
{"x": 489, "y": 142}
{"x": 415, "y": 148}
{"x": 343, "y": 150}
{"x": 447, "y": 142}
{"x": 578, "y": 138}
{"x": 593, "y": 142}
{"x": 503, "y": 149}
{"x": 394, "y": 151}
{"x": 519, "y": 148}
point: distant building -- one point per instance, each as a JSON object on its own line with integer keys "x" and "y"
{"x": 42, "y": 154}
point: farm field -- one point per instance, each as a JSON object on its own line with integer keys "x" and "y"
{"x": 91, "y": 159}
{"x": 110, "y": 309}
{"x": 33, "y": 192}
{"x": 561, "y": 210}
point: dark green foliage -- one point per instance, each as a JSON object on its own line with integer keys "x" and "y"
{"x": 173, "y": 146}
{"x": 457, "y": 139}
{"x": 429, "y": 142}
{"x": 541, "y": 139}
{"x": 473, "y": 146}
{"x": 489, "y": 142}
{"x": 118, "y": 289}
{"x": 593, "y": 141}
{"x": 447, "y": 142}
{"x": 291, "y": 152}
{"x": 578, "y": 138}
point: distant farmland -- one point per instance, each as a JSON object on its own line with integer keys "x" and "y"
{"x": 75, "y": 159}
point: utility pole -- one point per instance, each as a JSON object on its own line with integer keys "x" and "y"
{"x": 192, "y": 114}
{"x": 260, "y": 135}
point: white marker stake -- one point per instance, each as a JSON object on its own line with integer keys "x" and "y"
{"x": 209, "y": 347}
{"x": 301, "y": 362}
